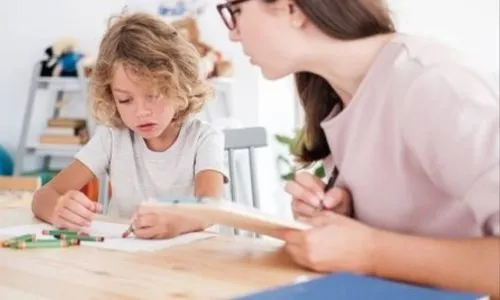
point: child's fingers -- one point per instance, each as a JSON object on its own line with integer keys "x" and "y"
{"x": 146, "y": 232}
{"x": 97, "y": 207}
{"x": 82, "y": 199}
{"x": 80, "y": 210}
{"x": 69, "y": 220}
{"x": 145, "y": 220}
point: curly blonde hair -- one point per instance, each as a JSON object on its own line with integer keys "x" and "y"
{"x": 156, "y": 53}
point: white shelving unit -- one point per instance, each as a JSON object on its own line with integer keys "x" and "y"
{"x": 61, "y": 85}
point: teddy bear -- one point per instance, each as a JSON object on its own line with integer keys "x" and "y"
{"x": 213, "y": 64}
{"x": 63, "y": 60}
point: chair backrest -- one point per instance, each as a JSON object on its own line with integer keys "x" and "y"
{"x": 17, "y": 192}
{"x": 17, "y": 183}
{"x": 244, "y": 139}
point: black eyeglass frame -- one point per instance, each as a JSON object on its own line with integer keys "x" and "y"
{"x": 230, "y": 24}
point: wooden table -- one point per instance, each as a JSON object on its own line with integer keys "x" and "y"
{"x": 218, "y": 268}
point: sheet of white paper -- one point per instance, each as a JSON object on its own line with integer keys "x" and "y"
{"x": 112, "y": 233}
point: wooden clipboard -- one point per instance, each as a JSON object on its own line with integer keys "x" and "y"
{"x": 230, "y": 214}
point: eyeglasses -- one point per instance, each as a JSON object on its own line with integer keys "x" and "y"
{"x": 226, "y": 12}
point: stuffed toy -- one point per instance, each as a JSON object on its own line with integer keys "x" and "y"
{"x": 67, "y": 57}
{"x": 49, "y": 64}
{"x": 213, "y": 64}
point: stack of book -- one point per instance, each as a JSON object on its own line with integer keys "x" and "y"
{"x": 65, "y": 131}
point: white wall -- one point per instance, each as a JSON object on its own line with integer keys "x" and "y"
{"x": 469, "y": 26}
{"x": 28, "y": 26}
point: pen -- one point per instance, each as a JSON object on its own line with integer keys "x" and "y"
{"x": 330, "y": 184}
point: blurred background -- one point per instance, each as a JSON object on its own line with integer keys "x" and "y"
{"x": 38, "y": 30}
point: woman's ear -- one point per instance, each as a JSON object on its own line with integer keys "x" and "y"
{"x": 297, "y": 17}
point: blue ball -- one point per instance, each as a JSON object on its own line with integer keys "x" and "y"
{"x": 6, "y": 163}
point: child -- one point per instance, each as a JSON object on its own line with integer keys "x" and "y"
{"x": 145, "y": 86}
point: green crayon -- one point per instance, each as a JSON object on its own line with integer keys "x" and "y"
{"x": 83, "y": 238}
{"x": 59, "y": 232}
{"x": 25, "y": 237}
{"x": 42, "y": 244}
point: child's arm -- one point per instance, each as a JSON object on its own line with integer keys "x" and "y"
{"x": 59, "y": 202}
{"x": 209, "y": 183}
{"x": 64, "y": 185}
{"x": 209, "y": 164}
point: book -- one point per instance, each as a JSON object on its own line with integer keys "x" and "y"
{"x": 226, "y": 213}
{"x": 61, "y": 139}
{"x": 66, "y": 122}
{"x": 347, "y": 286}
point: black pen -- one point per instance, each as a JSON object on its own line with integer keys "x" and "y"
{"x": 330, "y": 184}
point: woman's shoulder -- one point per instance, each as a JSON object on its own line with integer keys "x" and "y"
{"x": 424, "y": 65}
{"x": 425, "y": 51}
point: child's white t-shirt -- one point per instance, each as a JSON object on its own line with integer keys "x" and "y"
{"x": 136, "y": 172}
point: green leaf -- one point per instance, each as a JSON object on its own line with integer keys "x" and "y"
{"x": 283, "y": 139}
{"x": 320, "y": 172}
{"x": 289, "y": 176}
{"x": 283, "y": 159}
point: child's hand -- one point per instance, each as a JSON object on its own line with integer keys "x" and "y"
{"x": 149, "y": 224}
{"x": 309, "y": 197}
{"x": 74, "y": 211}
{"x": 334, "y": 244}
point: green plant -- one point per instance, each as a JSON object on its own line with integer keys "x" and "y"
{"x": 289, "y": 162}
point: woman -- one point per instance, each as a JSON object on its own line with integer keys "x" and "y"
{"x": 412, "y": 130}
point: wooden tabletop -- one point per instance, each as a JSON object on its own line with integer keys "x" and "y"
{"x": 218, "y": 268}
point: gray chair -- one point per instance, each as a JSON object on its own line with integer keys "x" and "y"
{"x": 246, "y": 139}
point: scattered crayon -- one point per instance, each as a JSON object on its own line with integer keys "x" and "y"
{"x": 83, "y": 237}
{"x": 43, "y": 244}
{"x": 127, "y": 232}
{"x": 25, "y": 237}
{"x": 62, "y": 231}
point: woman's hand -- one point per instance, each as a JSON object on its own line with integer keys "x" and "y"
{"x": 308, "y": 197}
{"x": 74, "y": 211}
{"x": 149, "y": 224}
{"x": 334, "y": 244}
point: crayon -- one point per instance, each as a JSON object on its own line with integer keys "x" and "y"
{"x": 42, "y": 244}
{"x": 59, "y": 232}
{"x": 83, "y": 238}
{"x": 25, "y": 237}
{"x": 128, "y": 231}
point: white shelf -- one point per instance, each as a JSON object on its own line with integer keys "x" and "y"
{"x": 221, "y": 82}
{"x": 54, "y": 150}
{"x": 62, "y": 83}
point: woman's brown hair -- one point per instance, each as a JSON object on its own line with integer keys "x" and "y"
{"x": 343, "y": 20}
{"x": 156, "y": 53}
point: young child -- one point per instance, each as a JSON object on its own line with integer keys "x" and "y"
{"x": 145, "y": 87}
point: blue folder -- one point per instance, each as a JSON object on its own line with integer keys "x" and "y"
{"x": 346, "y": 286}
